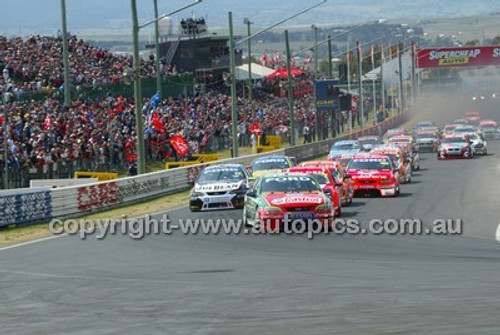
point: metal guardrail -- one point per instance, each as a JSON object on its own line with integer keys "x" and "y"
{"x": 26, "y": 207}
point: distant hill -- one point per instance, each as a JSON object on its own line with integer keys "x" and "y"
{"x": 113, "y": 16}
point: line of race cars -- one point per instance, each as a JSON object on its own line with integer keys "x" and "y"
{"x": 275, "y": 189}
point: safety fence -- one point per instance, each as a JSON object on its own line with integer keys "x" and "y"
{"x": 30, "y": 206}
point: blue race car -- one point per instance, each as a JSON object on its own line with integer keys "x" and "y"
{"x": 344, "y": 147}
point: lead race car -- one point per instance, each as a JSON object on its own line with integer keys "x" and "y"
{"x": 276, "y": 199}
{"x": 219, "y": 187}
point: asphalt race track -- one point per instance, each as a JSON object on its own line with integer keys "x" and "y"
{"x": 278, "y": 284}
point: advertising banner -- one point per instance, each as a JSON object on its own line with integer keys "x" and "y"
{"x": 458, "y": 57}
{"x": 327, "y": 94}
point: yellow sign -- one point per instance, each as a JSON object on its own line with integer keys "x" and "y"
{"x": 99, "y": 175}
{"x": 453, "y": 61}
{"x": 195, "y": 159}
{"x": 274, "y": 141}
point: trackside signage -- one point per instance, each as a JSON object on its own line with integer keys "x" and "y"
{"x": 458, "y": 57}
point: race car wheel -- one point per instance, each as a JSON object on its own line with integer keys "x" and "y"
{"x": 408, "y": 178}
{"x": 485, "y": 152}
{"x": 397, "y": 192}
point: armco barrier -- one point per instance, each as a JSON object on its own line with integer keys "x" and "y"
{"x": 25, "y": 207}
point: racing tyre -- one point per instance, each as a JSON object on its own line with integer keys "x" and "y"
{"x": 245, "y": 220}
{"x": 485, "y": 152}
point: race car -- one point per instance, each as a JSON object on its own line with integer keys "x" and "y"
{"x": 411, "y": 150}
{"x": 423, "y": 125}
{"x": 464, "y": 130}
{"x": 368, "y": 142}
{"x": 393, "y": 132}
{"x": 374, "y": 174}
{"x": 344, "y": 159}
{"x": 344, "y": 147}
{"x": 455, "y": 146}
{"x": 280, "y": 198}
{"x": 428, "y": 141}
{"x": 449, "y": 128}
{"x": 462, "y": 122}
{"x": 269, "y": 165}
{"x": 479, "y": 144}
{"x": 339, "y": 175}
{"x": 397, "y": 158}
{"x": 219, "y": 187}
{"x": 473, "y": 117}
{"x": 490, "y": 130}
{"x": 324, "y": 177}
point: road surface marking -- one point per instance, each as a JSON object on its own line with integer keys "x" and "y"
{"x": 31, "y": 242}
{"x": 498, "y": 233}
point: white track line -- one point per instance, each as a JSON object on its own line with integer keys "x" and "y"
{"x": 31, "y": 242}
{"x": 62, "y": 235}
{"x": 497, "y": 236}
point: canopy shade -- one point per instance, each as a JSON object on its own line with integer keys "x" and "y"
{"x": 258, "y": 71}
{"x": 282, "y": 73}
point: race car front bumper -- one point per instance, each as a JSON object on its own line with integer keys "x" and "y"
{"x": 215, "y": 202}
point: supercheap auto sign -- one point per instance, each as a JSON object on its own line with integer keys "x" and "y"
{"x": 456, "y": 57}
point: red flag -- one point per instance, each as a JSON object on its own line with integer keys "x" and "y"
{"x": 254, "y": 128}
{"x": 1, "y": 120}
{"x": 131, "y": 157}
{"x": 179, "y": 144}
{"x": 157, "y": 123}
{"x": 48, "y": 122}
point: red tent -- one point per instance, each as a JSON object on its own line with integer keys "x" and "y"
{"x": 282, "y": 73}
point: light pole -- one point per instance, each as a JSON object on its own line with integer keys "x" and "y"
{"x": 232, "y": 45}
{"x": 141, "y": 158}
{"x": 157, "y": 47}
{"x": 316, "y": 46}
{"x": 249, "y": 32}
{"x": 400, "y": 86}
{"x": 360, "y": 85}
{"x": 330, "y": 65}
{"x": 5, "y": 138}
{"x": 290, "y": 90}
{"x": 315, "y": 29}
{"x": 67, "y": 83}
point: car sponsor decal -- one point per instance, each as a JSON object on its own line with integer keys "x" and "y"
{"x": 297, "y": 199}
{"x": 217, "y": 187}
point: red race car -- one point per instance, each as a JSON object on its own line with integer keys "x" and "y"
{"x": 374, "y": 174}
{"x": 340, "y": 175}
{"x": 473, "y": 117}
{"x": 402, "y": 164}
{"x": 325, "y": 178}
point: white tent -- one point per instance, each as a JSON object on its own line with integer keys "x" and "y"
{"x": 258, "y": 71}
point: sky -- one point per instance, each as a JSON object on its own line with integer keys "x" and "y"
{"x": 23, "y": 17}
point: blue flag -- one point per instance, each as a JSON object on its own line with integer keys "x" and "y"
{"x": 155, "y": 100}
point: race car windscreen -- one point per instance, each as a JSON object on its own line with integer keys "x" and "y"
{"x": 270, "y": 164}
{"x": 464, "y": 130}
{"x": 454, "y": 140}
{"x": 369, "y": 164}
{"x": 290, "y": 184}
{"x": 344, "y": 146}
{"x": 211, "y": 176}
{"x": 392, "y": 157}
{"x": 427, "y": 136}
{"x": 369, "y": 141}
{"x": 487, "y": 129}
{"x": 321, "y": 178}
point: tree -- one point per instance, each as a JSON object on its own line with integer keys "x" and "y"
{"x": 496, "y": 40}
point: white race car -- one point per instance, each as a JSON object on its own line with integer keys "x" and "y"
{"x": 219, "y": 187}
